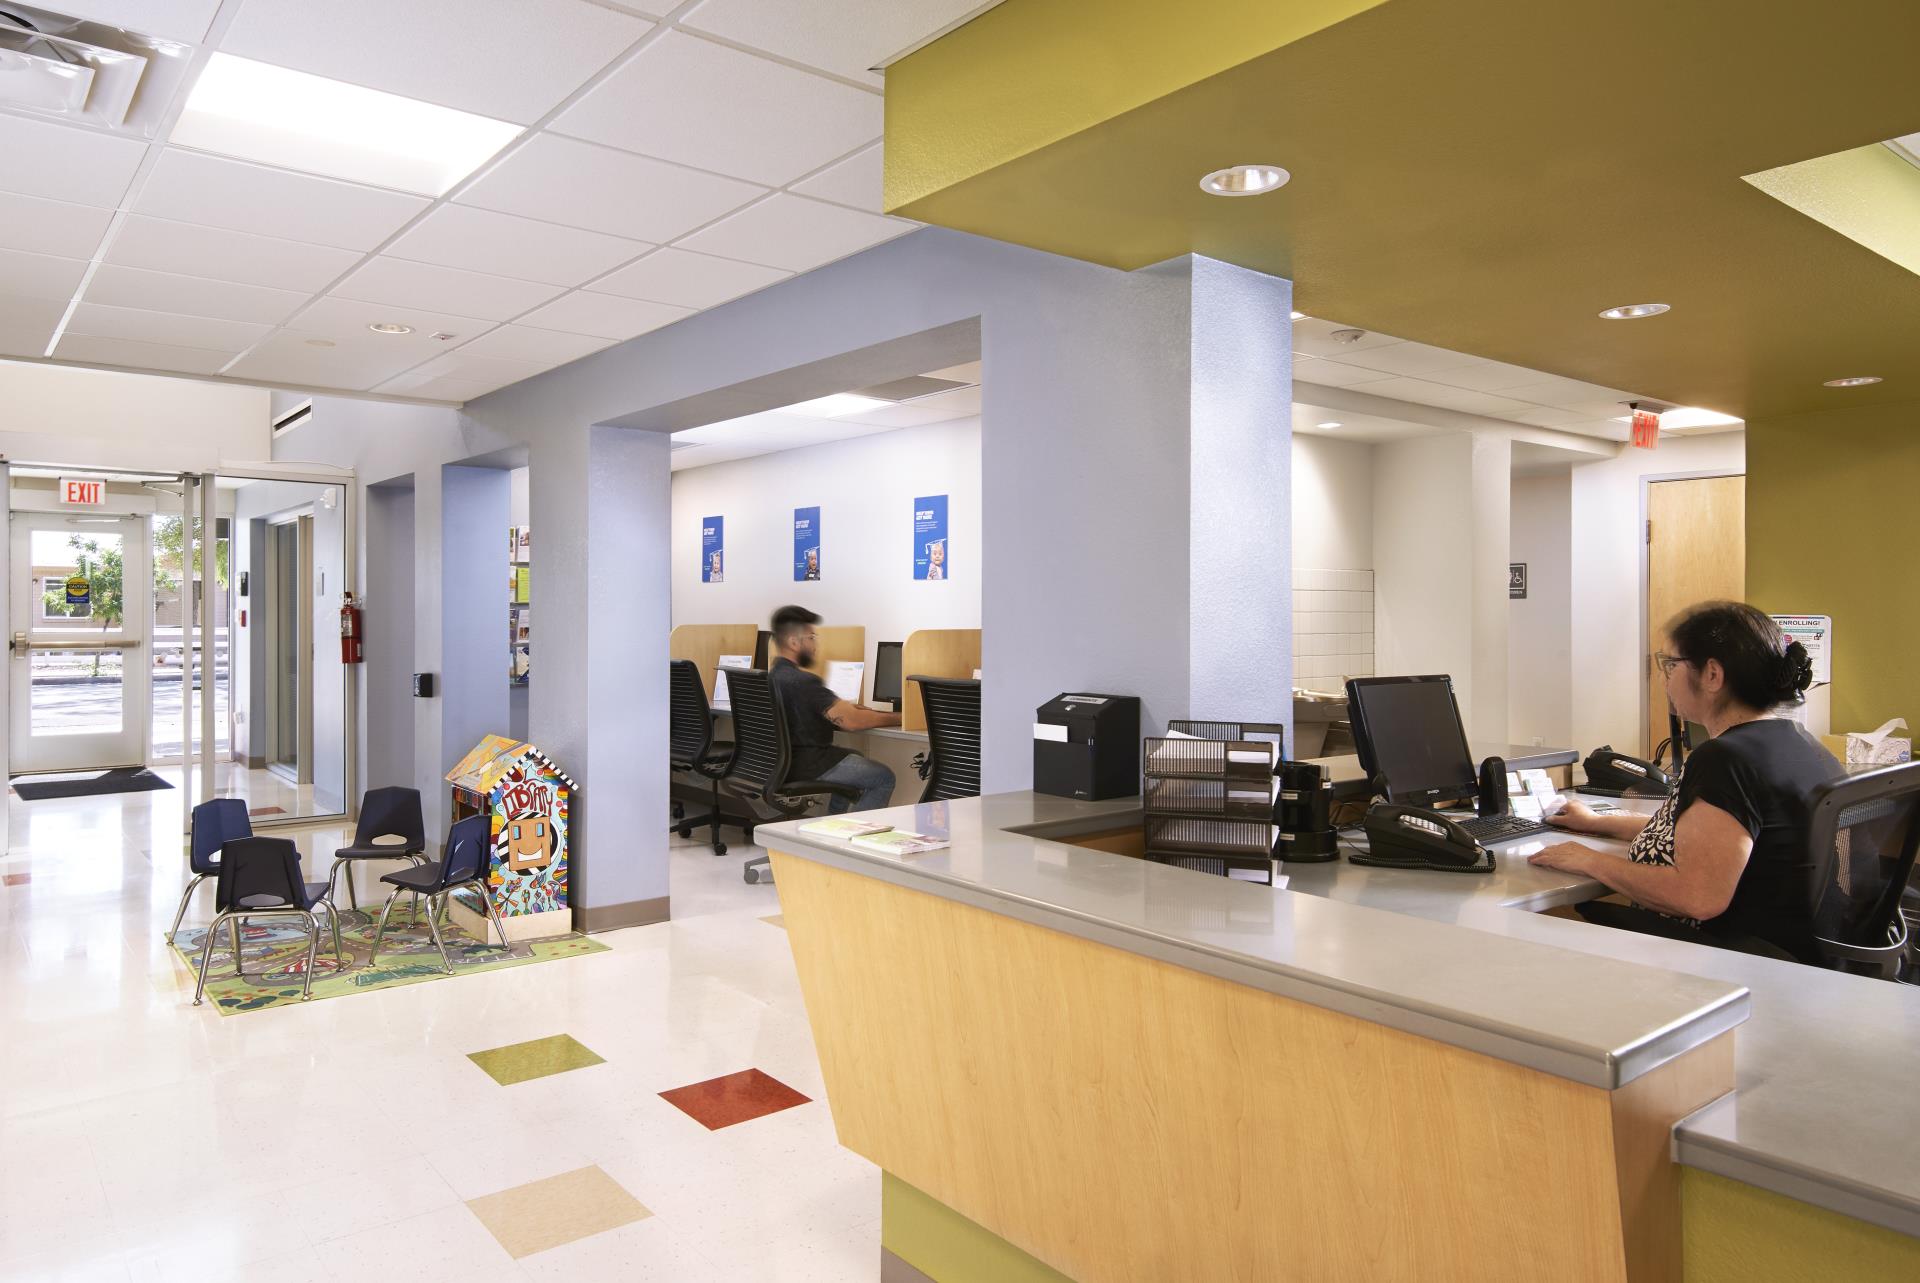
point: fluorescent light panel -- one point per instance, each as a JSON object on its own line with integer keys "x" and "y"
{"x": 257, "y": 111}
{"x": 839, "y": 405}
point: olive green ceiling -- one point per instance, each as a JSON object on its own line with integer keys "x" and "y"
{"x": 1484, "y": 175}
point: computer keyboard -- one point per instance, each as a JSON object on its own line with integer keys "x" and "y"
{"x": 1502, "y": 828}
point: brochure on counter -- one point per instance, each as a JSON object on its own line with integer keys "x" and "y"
{"x": 844, "y": 827}
{"x": 883, "y": 838}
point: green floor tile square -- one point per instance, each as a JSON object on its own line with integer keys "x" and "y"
{"x": 522, "y": 1061}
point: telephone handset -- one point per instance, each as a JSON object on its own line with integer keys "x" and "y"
{"x": 1412, "y": 837}
{"x": 1612, "y": 774}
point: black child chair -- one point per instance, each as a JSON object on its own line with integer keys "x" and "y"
{"x": 463, "y": 864}
{"x": 260, "y": 878}
{"x": 215, "y": 823}
{"x": 392, "y": 812}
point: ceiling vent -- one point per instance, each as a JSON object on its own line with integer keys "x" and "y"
{"x": 86, "y": 73}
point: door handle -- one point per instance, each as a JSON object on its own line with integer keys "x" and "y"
{"x": 22, "y": 643}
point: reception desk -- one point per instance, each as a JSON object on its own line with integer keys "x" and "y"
{"x": 1075, "y": 1064}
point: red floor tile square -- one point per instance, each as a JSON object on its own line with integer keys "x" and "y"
{"x": 733, "y": 1098}
{"x": 18, "y": 879}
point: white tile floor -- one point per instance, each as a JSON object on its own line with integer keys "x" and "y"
{"x": 144, "y": 1139}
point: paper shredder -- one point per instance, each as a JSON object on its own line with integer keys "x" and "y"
{"x": 1087, "y": 746}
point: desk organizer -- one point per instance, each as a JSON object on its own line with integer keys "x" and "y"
{"x": 1209, "y": 802}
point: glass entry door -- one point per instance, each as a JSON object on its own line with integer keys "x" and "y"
{"x": 80, "y": 655}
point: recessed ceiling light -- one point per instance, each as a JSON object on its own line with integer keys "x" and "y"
{"x": 309, "y": 123}
{"x": 1859, "y": 381}
{"x": 390, "y": 327}
{"x": 838, "y": 405}
{"x": 1330, "y": 423}
{"x": 1634, "y": 311}
{"x": 1693, "y": 416}
{"x": 319, "y": 342}
{"x": 1244, "y": 180}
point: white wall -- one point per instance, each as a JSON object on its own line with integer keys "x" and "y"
{"x": 1608, "y": 556}
{"x": 104, "y": 419}
{"x": 865, "y": 490}
{"x": 1540, "y": 627}
{"x": 1332, "y": 504}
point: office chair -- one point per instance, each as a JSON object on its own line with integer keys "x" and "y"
{"x": 1862, "y": 840}
{"x": 463, "y": 864}
{"x": 216, "y": 822}
{"x": 953, "y": 737}
{"x": 260, "y": 878}
{"x": 691, "y": 747}
{"x": 762, "y": 759}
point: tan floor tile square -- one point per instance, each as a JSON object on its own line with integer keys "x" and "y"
{"x": 556, "y": 1211}
{"x": 522, "y": 1061}
{"x": 776, "y": 919}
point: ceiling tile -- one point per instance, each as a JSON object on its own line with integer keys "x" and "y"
{"x": 27, "y": 324}
{"x": 524, "y": 343}
{"x": 190, "y": 295}
{"x": 1315, "y": 337}
{"x": 42, "y": 226}
{"x": 194, "y": 188}
{"x": 1487, "y": 376}
{"x": 145, "y": 356}
{"x": 481, "y": 240}
{"x": 795, "y": 233}
{"x": 60, "y": 163}
{"x": 183, "y": 20}
{"x": 565, "y": 181}
{"x": 689, "y": 100}
{"x": 405, "y": 284}
{"x": 1553, "y": 390}
{"x": 40, "y": 276}
{"x": 287, "y": 356}
{"x": 603, "y": 315}
{"x": 686, "y": 279}
{"x": 346, "y": 320}
{"x": 1333, "y": 374}
{"x": 1545, "y": 417}
{"x": 160, "y": 244}
{"x": 842, "y": 36}
{"x": 98, "y": 320}
{"x": 435, "y": 387}
{"x": 857, "y": 181}
{"x": 1597, "y": 408}
{"x": 481, "y": 372}
{"x": 1416, "y": 359}
{"x": 508, "y": 59}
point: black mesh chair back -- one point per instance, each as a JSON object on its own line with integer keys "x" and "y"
{"x": 690, "y": 728}
{"x": 469, "y": 844}
{"x": 1864, "y": 833}
{"x": 392, "y": 811}
{"x": 760, "y": 756}
{"x": 259, "y": 873}
{"x": 216, "y": 823}
{"x": 953, "y": 737}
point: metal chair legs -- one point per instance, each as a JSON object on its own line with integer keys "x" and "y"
{"x": 233, "y": 921}
{"x": 380, "y": 932}
{"x": 185, "y": 896}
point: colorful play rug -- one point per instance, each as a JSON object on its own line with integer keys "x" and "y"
{"x": 274, "y": 952}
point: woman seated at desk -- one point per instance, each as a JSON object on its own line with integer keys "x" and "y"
{"x": 1725, "y": 860}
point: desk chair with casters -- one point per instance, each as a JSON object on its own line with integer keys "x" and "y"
{"x": 260, "y": 878}
{"x": 462, "y": 865}
{"x": 215, "y": 823}
{"x": 691, "y": 747}
{"x": 384, "y": 813}
{"x": 762, "y": 760}
{"x": 952, "y": 766}
{"x": 1862, "y": 841}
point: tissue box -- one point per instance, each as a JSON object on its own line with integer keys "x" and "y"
{"x": 1880, "y": 747}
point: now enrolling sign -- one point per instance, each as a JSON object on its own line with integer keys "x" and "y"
{"x": 80, "y": 492}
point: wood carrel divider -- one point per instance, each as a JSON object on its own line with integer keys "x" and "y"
{"x": 704, "y": 644}
{"x": 934, "y": 652}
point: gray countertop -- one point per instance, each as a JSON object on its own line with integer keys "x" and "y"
{"x": 1825, "y": 1063}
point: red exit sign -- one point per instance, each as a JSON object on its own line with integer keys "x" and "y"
{"x": 82, "y": 493}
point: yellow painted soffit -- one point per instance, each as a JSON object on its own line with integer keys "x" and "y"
{"x": 1032, "y": 72}
{"x": 1869, "y": 195}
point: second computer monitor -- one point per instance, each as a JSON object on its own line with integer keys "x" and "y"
{"x": 886, "y": 674}
{"x": 1408, "y": 730}
{"x": 762, "y": 650}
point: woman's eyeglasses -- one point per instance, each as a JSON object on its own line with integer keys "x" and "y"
{"x": 1667, "y": 662}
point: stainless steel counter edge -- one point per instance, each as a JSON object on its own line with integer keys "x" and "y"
{"x": 1703, "y": 1140}
{"x": 1606, "y": 1069}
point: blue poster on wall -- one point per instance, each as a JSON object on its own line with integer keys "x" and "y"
{"x": 713, "y": 550}
{"x": 806, "y": 544}
{"x": 930, "y": 537}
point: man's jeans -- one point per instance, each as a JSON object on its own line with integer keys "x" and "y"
{"x": 874, "y": 781}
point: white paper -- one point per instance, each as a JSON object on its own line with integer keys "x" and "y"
{"x": 1179, "y": 735}
{"x": 1047, "y": 731}
{"x": 723, "y": 702}
{"x": 844, "y": 677}
{"x": 1815, "y": 632}
{"x": 1265, "y": 756}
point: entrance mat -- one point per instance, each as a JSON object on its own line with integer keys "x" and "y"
{"x": 126, "y": 779}
{"x": 274, "y": 951}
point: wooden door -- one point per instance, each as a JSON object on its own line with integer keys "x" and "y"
{"x": 1696, "y": 551}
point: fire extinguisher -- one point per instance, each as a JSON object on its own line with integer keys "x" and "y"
{"x": 352, "y": 630}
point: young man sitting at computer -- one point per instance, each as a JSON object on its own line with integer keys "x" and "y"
{"x": 813, "y": 713}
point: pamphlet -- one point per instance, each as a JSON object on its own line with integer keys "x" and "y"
{"x": 722, "y": 702}
{"x": 844, "y": 678}
{"x": 901, "y": 842}
{"x": 844, "y": 827}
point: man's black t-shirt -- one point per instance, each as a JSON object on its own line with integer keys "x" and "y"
{"x": 1763, "y": 774}
{"x": 804, "y": 700}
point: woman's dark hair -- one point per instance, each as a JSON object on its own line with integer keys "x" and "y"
{"x": 1763, "y": 668}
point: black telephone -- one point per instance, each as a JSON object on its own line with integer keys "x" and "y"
{"x": 1412, "y": 837}
{"x": 1611, "y": 774}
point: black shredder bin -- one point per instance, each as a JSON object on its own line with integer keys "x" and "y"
{"x": 1087, "y": 746}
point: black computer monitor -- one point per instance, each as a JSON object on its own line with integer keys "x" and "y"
{"x": 762, "y": 650}
{"x": 1408, "y": 730}
{"x": 886, "y": 674}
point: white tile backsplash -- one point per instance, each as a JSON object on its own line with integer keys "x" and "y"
{"x": 1332, "y": 626}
